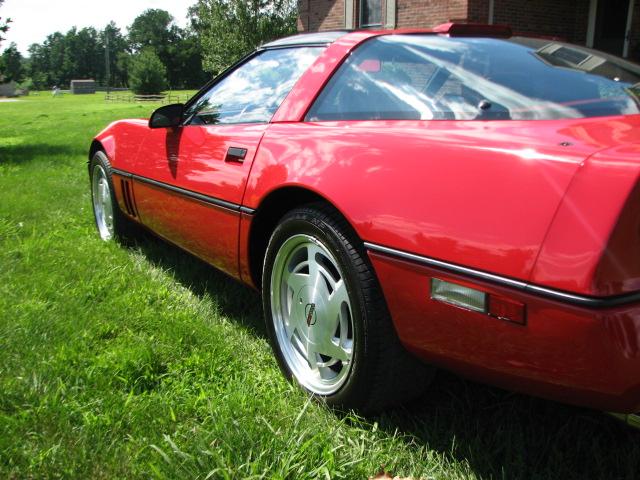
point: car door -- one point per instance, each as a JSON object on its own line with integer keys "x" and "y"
{"x": 190, "y": 179}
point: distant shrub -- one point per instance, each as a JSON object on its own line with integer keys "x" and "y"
{"x": 26, "y": 85}
{"x": 147, "y": 74}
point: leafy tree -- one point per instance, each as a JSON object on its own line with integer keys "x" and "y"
{"x": 155, "y": 29}
{"x": 39, "y": 65}
{"x": 118, "y": 48}
{"x": 11, "y": 64}
{"x": 147, "y": 74}
{"x": 188, "y": 58}
{"x": 4, "y": 24}
{"x": 229, "y": 29}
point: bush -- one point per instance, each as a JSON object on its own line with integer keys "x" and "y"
{"x": 147, "y": 74}
{"x": 26, "y": 85}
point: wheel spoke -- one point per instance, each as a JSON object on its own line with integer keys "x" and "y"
{"x": 335, "y": 350}
{"x": 316, "y": 271}
{"x": 295, "y": 281}
{"x": 334, "y": 305}
{"x": 311, "y": 356}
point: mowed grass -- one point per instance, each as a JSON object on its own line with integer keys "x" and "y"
{"x": 143, "y": 362}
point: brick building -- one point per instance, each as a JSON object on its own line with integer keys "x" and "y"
{"x": 609, "y": 25}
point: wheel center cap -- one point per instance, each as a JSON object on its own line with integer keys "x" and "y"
{"x": 310, "y": 314}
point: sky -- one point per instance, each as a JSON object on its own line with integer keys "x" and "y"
{"x": 33, "y": 20}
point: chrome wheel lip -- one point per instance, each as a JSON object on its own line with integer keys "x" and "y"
{"x": 313, "y": 315}
{"x": 102, "y": 204}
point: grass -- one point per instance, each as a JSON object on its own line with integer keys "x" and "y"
{"x": 142, "y": 362}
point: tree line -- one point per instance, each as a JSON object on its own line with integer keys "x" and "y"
{"x": 154, "y": 53}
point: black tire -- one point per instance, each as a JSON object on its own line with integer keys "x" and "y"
{"x": 380, "y": 372}
{"x": 117, "y": 226}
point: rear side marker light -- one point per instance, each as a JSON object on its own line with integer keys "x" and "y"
{"x": 507, "y": 309}
{"x": 458, "y": 295}
{"x": 476, "y": 300}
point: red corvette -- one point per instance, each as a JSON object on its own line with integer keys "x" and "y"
{"x": 460, "y": 196}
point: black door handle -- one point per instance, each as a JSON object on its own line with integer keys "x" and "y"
{"x": 235, "y": 154}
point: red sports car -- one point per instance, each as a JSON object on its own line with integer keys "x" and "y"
{"x": 457, "y": 197}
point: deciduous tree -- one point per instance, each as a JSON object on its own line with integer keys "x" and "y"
{"x": 4, "y": 24}
{"x": 11, "y": 64}
{"x": 229, "y": 29}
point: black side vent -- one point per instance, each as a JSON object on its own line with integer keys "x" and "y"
{"x": 127, "y": 195}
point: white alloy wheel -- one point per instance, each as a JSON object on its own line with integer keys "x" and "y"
{"x": 312, "y": 314}
{"x": 102, "y": 203}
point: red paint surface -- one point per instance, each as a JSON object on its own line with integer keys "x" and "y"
{"x": 564, "y": 353}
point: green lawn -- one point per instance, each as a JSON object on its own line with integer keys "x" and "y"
{"x": 143, "y": 362}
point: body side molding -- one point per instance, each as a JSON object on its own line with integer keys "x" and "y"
{"x": 558, "y": 295}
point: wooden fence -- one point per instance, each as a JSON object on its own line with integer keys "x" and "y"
{"x": 128, "y": 97}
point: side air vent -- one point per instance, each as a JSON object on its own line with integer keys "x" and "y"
{"x": 127, "y": 195}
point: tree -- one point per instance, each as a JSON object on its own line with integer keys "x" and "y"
{"x": 11, "y": 64}
{"x": 188, "y": 56}
{"x": 118, "y": 49}
{"x": 39, "y": 65}
{"x": 229, "y": 29}
{"x": 4, "y": 24}
{"x": 147, "y": 74}
{"x": 155, "y": 29}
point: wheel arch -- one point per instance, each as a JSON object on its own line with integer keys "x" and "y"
{"x": 96, "y": 146}
{"x": 271, "y": 209}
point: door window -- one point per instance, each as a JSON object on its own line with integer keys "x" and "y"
{"x": 253, "y": 92}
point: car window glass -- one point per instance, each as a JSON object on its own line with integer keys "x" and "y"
{"x": 253, "y": 92}
{"x": 432, "y": 77}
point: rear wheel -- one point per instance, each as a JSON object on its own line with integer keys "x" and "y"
{"x": 327, "y": 320}
{"x": 110, "y": 221}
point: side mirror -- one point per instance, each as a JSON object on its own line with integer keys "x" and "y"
{"x": 167, "y": 116}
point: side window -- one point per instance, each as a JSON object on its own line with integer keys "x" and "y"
{"x": 253, "y": 92}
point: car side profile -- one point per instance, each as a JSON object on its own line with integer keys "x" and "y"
{"x": 458, "y": 198}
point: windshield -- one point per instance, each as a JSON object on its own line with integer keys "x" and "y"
{"x": 437, "y": 77}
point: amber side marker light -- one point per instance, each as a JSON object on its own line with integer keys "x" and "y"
{"x": 476, "y": 300}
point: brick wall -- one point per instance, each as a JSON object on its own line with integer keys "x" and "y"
{"x": 429, "y": 13}
{"x": 478, "y": 11}
{"x": 567, "y": 20}
{"x": 315, "y": 15}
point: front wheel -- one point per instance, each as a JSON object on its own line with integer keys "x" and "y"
{"x": 327, "y": 320}
{"x": 110, "y": 221}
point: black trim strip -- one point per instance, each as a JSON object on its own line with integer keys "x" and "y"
{"x": 216, "y": 202}
{"x": 566, "y": 297}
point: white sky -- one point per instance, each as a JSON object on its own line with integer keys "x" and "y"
{"x": 33, "y": 20}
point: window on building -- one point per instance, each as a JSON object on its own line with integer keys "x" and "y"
{"x": 370, "y": 13}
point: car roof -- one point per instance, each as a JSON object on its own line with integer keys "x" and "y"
{"x": 452, "y": 29}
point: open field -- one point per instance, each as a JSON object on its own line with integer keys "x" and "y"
{"x": 143, "y": 362}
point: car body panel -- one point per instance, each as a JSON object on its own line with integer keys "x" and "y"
{"x": 194, "y": 158}
{"x": 475, "y": 179}
{"x": 579, "y": 236}
{"x": 564, "y": 353}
